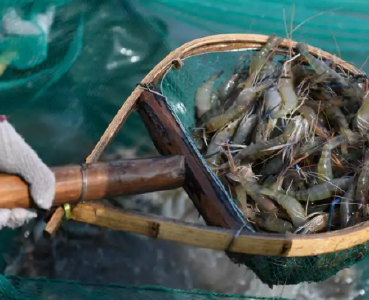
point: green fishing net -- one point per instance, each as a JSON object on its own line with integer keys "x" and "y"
{"x": 16, "y": 288}
{"x": 71, "y": 64}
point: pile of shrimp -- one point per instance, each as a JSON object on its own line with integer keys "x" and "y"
{"x": 288, "y": 140}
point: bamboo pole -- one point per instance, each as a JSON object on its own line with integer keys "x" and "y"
{"x": 124, "y": 177}
{"x": 287, "y": 245}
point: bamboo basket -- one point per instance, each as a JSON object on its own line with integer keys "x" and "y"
{"x": 272, "y": 257}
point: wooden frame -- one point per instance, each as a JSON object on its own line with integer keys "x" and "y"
{"x": 208, "y": 199}
{"x": 292, "y": 245}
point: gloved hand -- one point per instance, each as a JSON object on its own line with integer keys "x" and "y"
{"x": 16, "y": 157}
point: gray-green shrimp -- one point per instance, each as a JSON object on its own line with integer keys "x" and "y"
{"x": 323, "y": 71}
{"x": 325, "y": 172}
{"x": 347, "y": 206}
{"x": 272, "y": 166}
{"x": 336, "y": 116}
{"x": 362, "y": 118}
{"x": 309, "y": 114}
{"x": 245, "y": 129}
{"x": 242, "y": 105}
{"x": 293, "y": 133}
{"x": 287, "y": 92}
{"x": 324, "y": 190}
{"x": 229, "y": 86}
{"x": 271, "y": 223}
{"x": 252, "y": 188}
{"x": 293, "y": 208}
{"x": 222, "y": 137}
{"x": 263, "y": 55}
{"x": 205, "y": 97}
{"x": 272, "y": 102}
{"x": 316, "y": 224}
{"x": 362, "y": 188}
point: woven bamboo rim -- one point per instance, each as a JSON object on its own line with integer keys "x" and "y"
{"x": 288, "y": 245}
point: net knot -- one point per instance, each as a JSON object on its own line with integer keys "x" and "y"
{"x": 234, "y": 238}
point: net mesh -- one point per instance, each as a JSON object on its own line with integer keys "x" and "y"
{"x": 75, "y": 62}
{"x": 179, "y": 86}
{"x": 16, "y": 288}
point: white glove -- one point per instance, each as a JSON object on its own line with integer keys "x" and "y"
{"x": 13, "y": 24}
{"x": 16, "y": 157}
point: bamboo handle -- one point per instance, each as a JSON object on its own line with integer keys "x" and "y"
{"x": 124, "y": 177}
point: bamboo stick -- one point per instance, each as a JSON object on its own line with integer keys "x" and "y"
{"x": 287, "y": 245}
{"x": 54, "y": 222}
{"x": 124, "y": 177}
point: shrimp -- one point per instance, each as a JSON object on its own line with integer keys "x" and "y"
{"x": 292, "y": 181}
{"x": 362, "y": 189}
{"x": 229, "y": 86}
{"x": 271, "y": 223}
{"x": 246, "y": 177}
{"x": 309, "y": 114}
{"x": 214, "y": 111}
{"x": 324, "y": 190}
{"x": 316, "y": 224}
{"x": 335, "y": 115}
{"x": 229, "y": 115}
{"x": 248, "y": 94}
{"x": 311, "y": 147}
{"x": 324, "y": 71}
{"x": 204, "y": 97}
{"x": 221, "y": 137}
{"x": 362, "y": 118}
{"x": 245, "y": 129}
{"x": 325, "y": 162}
{"x": 346, "y": 207}
{"x": 268, "y": 70}
{"x": 272, "y": 102}
{"x": 262, "y": 56}
{"x": 293, "y": 208}
{"x": 241, "y": 197}
{"x": 287, "y": 92}
{"x": 243, "y": 104}
{"x": 293, "y": 133}
{"x": 198, "y": 139}
{"x": 273, "y": 166}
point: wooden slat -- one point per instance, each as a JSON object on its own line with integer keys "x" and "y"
{"x": 292, "y": 245}
{"x": 169, "y": 139}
